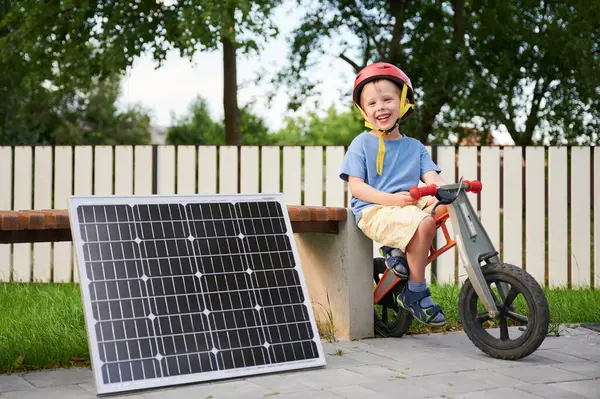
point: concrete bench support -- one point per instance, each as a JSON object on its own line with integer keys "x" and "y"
{"x": 338, "y": 272}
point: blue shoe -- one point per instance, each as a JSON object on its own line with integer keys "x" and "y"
{"x": 398, "y": 264}
{"x": 411, "y": 301}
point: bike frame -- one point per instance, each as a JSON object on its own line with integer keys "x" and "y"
{"x": 472, "y": 242}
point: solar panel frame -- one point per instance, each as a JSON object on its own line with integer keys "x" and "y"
{"x": 88, "y": 288}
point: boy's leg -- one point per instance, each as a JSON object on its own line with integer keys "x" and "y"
{"x": 395, "y": 260}
{"x": 417, "y": 298}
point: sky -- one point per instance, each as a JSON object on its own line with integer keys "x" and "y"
{"x": 173, "y": 87}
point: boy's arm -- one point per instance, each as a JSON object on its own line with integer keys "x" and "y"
{"x": 432, "y": 177}
{"x": 363, "y": 191}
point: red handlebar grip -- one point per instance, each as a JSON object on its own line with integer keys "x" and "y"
{"x": 418, "y": 192}
{"x": 475, "y": 186}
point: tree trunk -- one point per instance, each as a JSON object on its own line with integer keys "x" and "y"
{"x": 233, "y": 135}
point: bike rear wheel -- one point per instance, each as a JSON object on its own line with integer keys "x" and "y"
{"x": 523, "y": 317}
{"x": 391, "y": 320}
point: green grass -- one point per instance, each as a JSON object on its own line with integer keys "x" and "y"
{"x": 42, "y": 325}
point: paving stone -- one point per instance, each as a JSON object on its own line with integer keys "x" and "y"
{"x": 589, "y": 369}
{"x": 329, "y": 378}
{"x": 541, "y": 374}
{"x": 56, "y": 377}
{"x": 57, "y": 392}
{"x": 355, "y": 392}
{"x": 313, "y": 394}
{"x": 501, "y": 393}
{"x": 557, "y": 356}
{"x": 441, "y": 365}
{"x": 229, "y": 389}
{"x": 550, "y": 391}
{"x": 405, "y": 387}
{"x": 493, "y": 378}
{"x": 14, "y": 382}
{"x": 376, "y": 371}
{"x": 345, "y": 361}
{"x": 588, "y": 389}
{"x": 453, "y": 383}
{"x": 282, "y": 383}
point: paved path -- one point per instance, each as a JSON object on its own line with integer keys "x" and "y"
{"x": 420, "y": 366}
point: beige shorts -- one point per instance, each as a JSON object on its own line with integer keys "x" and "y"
{"x": 393, "y": 226}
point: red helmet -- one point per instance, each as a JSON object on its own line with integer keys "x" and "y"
{"x": 383, "y": 70}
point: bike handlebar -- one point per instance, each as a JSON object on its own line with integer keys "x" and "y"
{"x": 474, "y": 186}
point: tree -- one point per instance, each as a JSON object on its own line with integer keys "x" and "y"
{"x": 45, "y": 54}
{"x": 424, "y": 38}
{"x": 467, "y": 60}
{"x": 547, "y": 89}
{"x": 198, "y": 128}
{"x": 334, "y": 128}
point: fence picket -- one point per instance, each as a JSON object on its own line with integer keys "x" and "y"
{"x": 186, "y": 169}
{"x": 490, "y": 195}
{"x": 142, "y": 184}
{"x": 42, "y": 251}
{"x": 580, "y": 217}
{"x": 6, "y": 156}
{"x": 124, "y": 170}
{"x": 292, "y": 175}
{"x": 512, "y": 213}
{"x": 103, "y": 170}
{"x": 313, "y": 175}
{"x": 23, "y": 176}
{"x": 228, "y": 170}
{"x": 165, "y": 179}
{"x": 535, "y": 213}
{"x": 557, "y": 220}
{"x": 445, "y": 264}
{"x": 596, "y": 218}
{"x": 62, "y": 261}
{"x": 334, "y": 186}
{"x": 467, "y": 168}
{"x": 83, "y": 186}
{"x": 270, "y": 170}
{"x": 249, "y": 170}
{"x": 207, "y": 170}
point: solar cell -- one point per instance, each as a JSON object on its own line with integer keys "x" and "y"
{"x": 178, "y": 289}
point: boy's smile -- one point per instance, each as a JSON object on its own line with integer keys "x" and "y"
{"x": 381, "y": 102}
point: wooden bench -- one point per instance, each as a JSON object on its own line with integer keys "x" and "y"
{"x": 53, "y": 225}
{"x": 336, "y": 258}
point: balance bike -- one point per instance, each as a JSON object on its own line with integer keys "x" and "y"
{"x": 495, "y": 293}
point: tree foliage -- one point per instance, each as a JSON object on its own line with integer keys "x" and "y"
{"x": 472, "y": 62}
{"x": 333, "y": 128}
{"x": 68, "y": 43}
{"x": 199, "y": 128}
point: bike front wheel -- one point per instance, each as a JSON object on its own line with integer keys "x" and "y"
{"x": 522, "y": 323}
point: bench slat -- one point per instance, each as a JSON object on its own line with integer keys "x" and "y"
{"x": 54, "y": 224}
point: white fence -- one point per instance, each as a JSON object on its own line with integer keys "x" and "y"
{"x": 537, "y": 204}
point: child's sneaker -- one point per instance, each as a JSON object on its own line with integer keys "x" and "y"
{"x": 396, "y": 261}
{"x": 420, "y": 305}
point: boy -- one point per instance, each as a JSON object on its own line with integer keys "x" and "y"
{"x": 380, "y": 166}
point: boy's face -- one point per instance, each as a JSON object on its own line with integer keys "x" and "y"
{"x": 381, "y": 102}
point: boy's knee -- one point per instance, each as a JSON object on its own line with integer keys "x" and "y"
{"x": 428, "y": 226}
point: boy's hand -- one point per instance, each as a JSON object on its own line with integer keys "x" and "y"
{"x": 404, "y": 199}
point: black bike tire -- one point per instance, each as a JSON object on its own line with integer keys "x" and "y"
{"x": 404, "y": 318}
{"x": 537, "y": 328}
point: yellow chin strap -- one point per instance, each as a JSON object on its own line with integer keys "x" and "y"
{"x": 404, "y": 107}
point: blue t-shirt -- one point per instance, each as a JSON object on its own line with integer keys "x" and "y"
{"x": 406, "y": 160}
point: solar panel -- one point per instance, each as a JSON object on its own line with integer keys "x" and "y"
{"x": 180, "y": 289}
